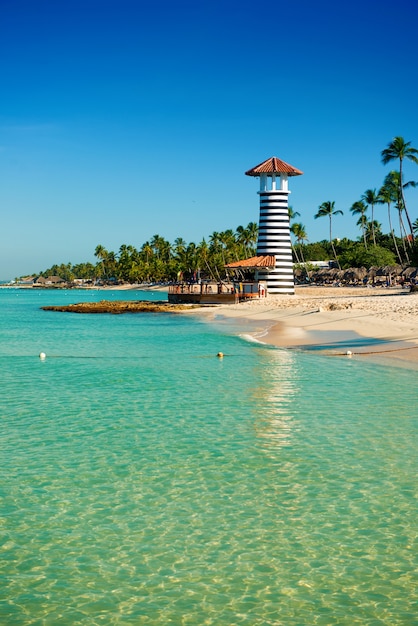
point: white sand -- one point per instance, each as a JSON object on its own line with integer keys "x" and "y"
{"x": 328, "y": 316}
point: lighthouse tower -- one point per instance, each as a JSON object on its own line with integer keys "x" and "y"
{"x": 273, "y": 227}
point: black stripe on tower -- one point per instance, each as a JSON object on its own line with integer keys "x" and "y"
{"x": 276, "y": 250}
{"x": 273, "y": 200}
{"x": 278, "y": 237}
{"x": 279, "y": 246}
{"x": 283, "y": 254}
{"x": 274, "y": 194}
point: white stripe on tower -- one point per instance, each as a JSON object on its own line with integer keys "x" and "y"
{"x": 274, "y": 239}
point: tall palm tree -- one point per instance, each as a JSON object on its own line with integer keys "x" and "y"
{"x": 147, "y": 251}
{"x": 392, "y": 181}
{"x": 293, "y": 215}
{"x": 327, "y": 209}
{"x": 299, "y": 232}
{"x": 252, "y": 229}
{"x": 399, "y": 149}
{"x": 161, "y": 248}
{"x": 373, "y": 229}
{"x": 371, "y": 197}
{"x": 360, "y": 208}
{"x": 247, "y": 238}
{"x": 203, "y": 252}
{"x": 102, "y": 254}
{"x": 387, "y": 195}
{"x": 179, "y": 246}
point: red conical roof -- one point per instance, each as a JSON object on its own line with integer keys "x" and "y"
{"x": 253, "y": 262}
{"x": 274, "y": 166}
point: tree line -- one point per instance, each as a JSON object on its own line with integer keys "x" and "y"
{"x": 158, "y": 260}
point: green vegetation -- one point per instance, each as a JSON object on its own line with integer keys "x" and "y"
{"x": 160, "y": 261}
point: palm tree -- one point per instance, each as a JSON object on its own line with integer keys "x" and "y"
{"x": 328, "y": 209}
{"x": 102, "y": 255}
{"x": 292, "y": 215}
{"x": 371, "y": 197}
{"x": 247, "y": 238}
{"x": 299, "y": 232}
{"x": 387, "y": 195}
{"x": 392, "y": 181}
{"x": 360, "y": 208}
{"x": 400, "y": 149}
{"x": 373, "y": 229}
{"x": 161, "y": 248}
{"x": 252, "y": 229}
{"x": 203, "y": 252}
{"x": 179, "y": 246}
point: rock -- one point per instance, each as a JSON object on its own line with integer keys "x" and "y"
{"x": 118, "y": 307}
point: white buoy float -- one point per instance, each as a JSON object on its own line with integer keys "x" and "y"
{"x": 42, "y": 356}
{"x": 349, "y": 353}
{"x": 220, "y": 355}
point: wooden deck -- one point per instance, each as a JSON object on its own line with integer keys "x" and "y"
{"x": 221, "y": 293}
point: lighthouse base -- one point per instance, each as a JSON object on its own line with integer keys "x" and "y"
{"x": 278, "y": 282}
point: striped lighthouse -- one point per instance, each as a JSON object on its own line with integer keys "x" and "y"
{"x": 273, "y": 227}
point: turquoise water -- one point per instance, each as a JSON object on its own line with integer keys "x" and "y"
{"x": 145, "y": 481}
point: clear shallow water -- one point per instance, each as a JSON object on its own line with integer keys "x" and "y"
{"x": 145, "y": 481}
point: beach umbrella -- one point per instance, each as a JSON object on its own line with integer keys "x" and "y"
{"x": 409, "y": 272}
{"x": 393, "y": 270}
{"x": 355, "y": 273}
{"x": 388, "y": 272}
{"x": 372, "y": 273}
{"x": 339, "y": 274}
{"x": 320, "y": 275}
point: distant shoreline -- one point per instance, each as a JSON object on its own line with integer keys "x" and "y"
{"x": 134, "y": 287}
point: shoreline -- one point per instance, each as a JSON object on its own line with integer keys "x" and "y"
{"x": 377, "y": 324}
{"x": 381, "y": 326}
{"x": 126, "y": 287}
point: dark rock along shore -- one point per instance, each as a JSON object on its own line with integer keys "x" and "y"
{"x": 118, "y": 307}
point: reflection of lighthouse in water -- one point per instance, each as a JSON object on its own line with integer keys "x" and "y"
{"x": 273, "y": 227}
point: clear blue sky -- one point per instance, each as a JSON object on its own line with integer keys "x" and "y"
{"x": 120, "y": 119}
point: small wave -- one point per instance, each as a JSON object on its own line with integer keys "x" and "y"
{"x": 253, "y": 338}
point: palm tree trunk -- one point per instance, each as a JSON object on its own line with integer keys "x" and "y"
{"x": 403, "y": 236}
{"x": 295, "y": 253}
{"x": 403, "y": 200}
{"x": 373, "y": 233}
{"x": 364, "y": 236}
{"x": 393, "y": 235}
{"x": 301, "y": 253}
{"x": 332, "y": 243}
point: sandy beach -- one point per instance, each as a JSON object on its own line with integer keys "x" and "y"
{"x": 379, "y": 324}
